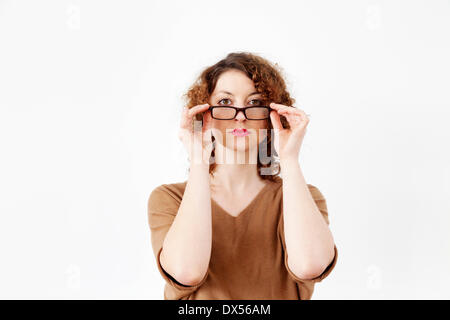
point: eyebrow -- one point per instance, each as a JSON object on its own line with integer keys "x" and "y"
{"x": 251, "y": 94}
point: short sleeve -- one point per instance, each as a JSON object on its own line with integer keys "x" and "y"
{"x": 163, "y": 204}
{"x": 320, "y": 201}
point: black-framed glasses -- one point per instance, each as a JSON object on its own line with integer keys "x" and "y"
{"x": 250, "y": 113}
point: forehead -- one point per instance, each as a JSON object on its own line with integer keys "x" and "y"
{"x": 234, "y": 82}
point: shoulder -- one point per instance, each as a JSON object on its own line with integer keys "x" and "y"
{"x": 276, "y": 182}
{"x": 166, "y": 194}
{"x": 315, "y": 192}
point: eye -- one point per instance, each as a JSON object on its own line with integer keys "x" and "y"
{"x": 222, "y": 100}
{"x": 259, "y": 101}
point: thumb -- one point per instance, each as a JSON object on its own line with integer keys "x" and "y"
{"x": 276, "y": 122}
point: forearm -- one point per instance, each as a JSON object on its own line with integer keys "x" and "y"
{"x": 309, "y": 242}
{"x": 187, "y": 246}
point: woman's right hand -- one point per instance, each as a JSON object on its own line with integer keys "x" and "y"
{"x": 197, "y": 139}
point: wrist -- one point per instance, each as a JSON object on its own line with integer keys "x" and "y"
{"x": 199, "y": 167}
{"x": 289, "y": 161}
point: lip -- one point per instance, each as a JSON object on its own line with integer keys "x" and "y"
{"x": 240, "y": 132}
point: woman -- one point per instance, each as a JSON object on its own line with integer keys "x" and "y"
{"x": 235, "y": 229}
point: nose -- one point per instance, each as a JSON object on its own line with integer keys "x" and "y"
{"x": 240, "y": 115}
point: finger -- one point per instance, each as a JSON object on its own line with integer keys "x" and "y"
{"x": 293, "y": 118}
{"x": 188, "y": 114}
{"x": 186, "y": 121}
{"x": 197, "y": 109}
{"x": 207, "y": 120}
{"x": 304, "y": 116}
{"x": 276, "y": 106}
{"x": 275, "y": 118}
{"x": 298, "y": 118}
{"x": 289, "y": 114}
{"x": 291, "y": 110}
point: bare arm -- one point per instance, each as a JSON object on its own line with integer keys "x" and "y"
{"x": 309, "y": 241}
{"x": 187, "y": 246}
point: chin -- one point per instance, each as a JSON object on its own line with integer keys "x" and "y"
{"x": 245, "y": 148}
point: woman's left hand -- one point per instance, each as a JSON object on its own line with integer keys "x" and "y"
{"x": 288, "y": 141}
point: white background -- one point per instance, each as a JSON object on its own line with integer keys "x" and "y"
{"x": 90, "y": 97}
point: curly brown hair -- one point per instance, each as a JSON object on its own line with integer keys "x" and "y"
{"x": 268, "y": 80}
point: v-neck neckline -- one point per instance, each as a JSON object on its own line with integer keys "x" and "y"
{"x": 247, "y": 208}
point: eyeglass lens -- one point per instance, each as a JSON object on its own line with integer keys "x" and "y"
{"x": 226, "y": 113}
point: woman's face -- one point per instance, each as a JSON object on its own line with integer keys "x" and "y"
{"x": 234, "y": 88}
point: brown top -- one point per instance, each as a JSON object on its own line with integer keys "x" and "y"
{"x": 248, "y": 257}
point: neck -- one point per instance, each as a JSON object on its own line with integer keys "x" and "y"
{"x": 233, "y": 173}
